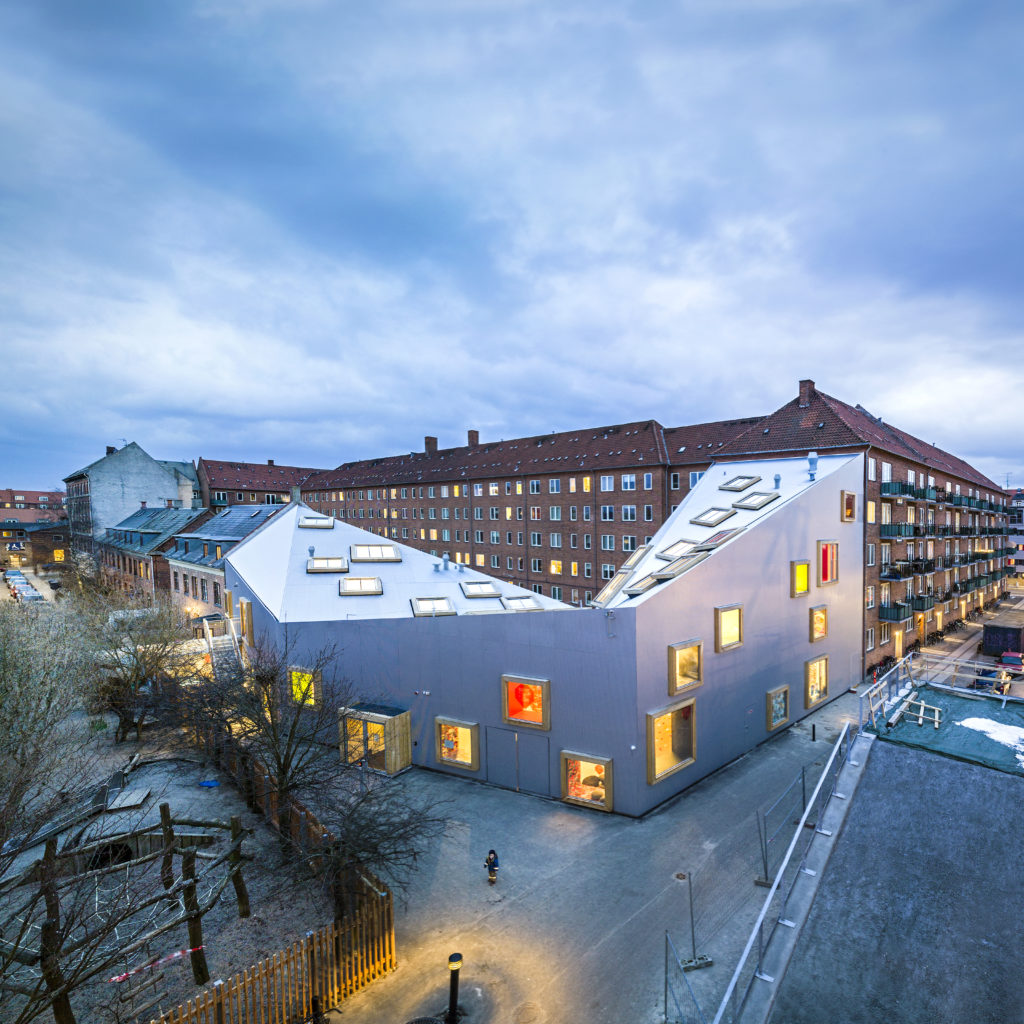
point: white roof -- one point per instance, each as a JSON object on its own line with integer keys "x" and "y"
{"x": 273, "y": 563}
{"x": 682, "y": 543}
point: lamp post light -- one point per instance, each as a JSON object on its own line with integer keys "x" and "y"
{"x": 454, "y": 963}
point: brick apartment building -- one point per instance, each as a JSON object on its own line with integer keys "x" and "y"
{"x": 936, "y": 530}
{"x": 49, "y": 503}
{"x": 222, "y": 484}
{"x": 556, "y": 513}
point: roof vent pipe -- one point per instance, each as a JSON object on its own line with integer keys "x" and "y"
{"x": 462, "y": 567}
{"x": 444, "y": 558}
{"x": 437, "y": 566}
{"x": 312, "y": 551}
{"x": 812, "y": 463}
{"x": 778, "y": 480}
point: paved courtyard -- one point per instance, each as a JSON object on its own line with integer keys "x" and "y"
{"x": 575, "y": 929}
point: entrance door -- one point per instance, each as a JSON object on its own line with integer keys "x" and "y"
{"x": 897, "y": 643}
{"x": 518, "y": 759}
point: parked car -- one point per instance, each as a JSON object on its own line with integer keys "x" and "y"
{"x": 1012, "y": 662}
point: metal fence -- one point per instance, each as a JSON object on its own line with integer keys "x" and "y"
{"x": 793, "y": 862}
{"x": 681, "y": 1004}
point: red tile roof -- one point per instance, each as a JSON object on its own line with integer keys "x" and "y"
{"x": 253, "y": 476}
{"x": 826, "y": 422}
{"x": 33, "y": 515}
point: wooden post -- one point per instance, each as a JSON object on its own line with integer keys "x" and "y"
{"x": 167, "y": 864}
{"x": 200, "y": 972}
{"x": 235, "y": 860}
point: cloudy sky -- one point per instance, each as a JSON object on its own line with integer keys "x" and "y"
{"x": 316, "y": 230}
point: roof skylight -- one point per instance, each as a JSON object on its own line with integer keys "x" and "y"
{"x": 634, "y": 557}
{"x": 354, "y": 586}
{"x": 718, "y": 538}
{"x": 755, "y": 500}
{"x": 713, "y": 516}
{"x": 739, "y": 483}
{"x": 642, "y": 586}
{"x": 479, "y": 588}
{"x": 674, "y": 550}
{"x": 316, "y": 523}
{"x": 432, "y": 606}
{"x": 374, "y": 553}
{"x": 521, "y": 603}
{"x": 679, "y": 565}
{"x": 613, "y": 586}
{"x": 332, "y": 563}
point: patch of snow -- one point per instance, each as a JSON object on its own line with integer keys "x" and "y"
{"x": 1011, "y": 736}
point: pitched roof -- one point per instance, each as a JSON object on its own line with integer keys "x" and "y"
{"x": 225, "y": 530}
{"x": 33, "y": 515}
{"x": 256, "y": 476}
{"x": 153, "y": 525}
{"x": 31, "y": 496}
{"x": 621, "y": 446}
{"x": 823, "y": 422}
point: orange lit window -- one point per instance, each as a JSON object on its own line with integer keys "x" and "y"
{"x": 525, "y": 701}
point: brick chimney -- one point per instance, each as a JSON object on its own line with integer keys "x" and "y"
{"x": 473, "y": 438}
{"x": 270, "y": 462}
{"x": 430, "y": 445}
{"x": 806, "y": 392}
{"x": 142, "y": 505}
{"x": 111, "y": 449}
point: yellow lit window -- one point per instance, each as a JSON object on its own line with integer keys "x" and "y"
{"x": 819, "y": 623}
{"x": 799, "y": 578}
{"x": 303, "y": 686}
{"x": 685, "y": 666}
{"x": 457, "y": 743}
{"x": 556, "y": 567}
{"x": 728, "y": 627}
{"x": 671, "y": 741}
{"x": 508, "y": 511}
{"x": 574, "y": 568}
{"x": 586, "y": 485}
{"x": 519, "y": 487}
{"x": 480, "y": 560}
{"x": 433, "y": 534}
{"x": 815, "y": 681}
{"x": 849, "y": 507}
{"x": 455, "y": 491}
{"x": 572, "y": 485}
{"x": 587, "y": 780}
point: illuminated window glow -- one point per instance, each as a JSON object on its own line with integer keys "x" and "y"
{"x": 456, "y": 743}
{"x": 815, "y": 681}
{"x": 799, "y": 578}
{"x": 354, "y": 586}
{"x": 685, "y": 666}
{"x": 525, "y": 701}
{"x": 713, "y": 516}
{"x": 828, "y": 562}
{"x": 819, "y": 623}
{"x": 671, "y": 741}
{"x": 728, "y": 627}
{"x": 587, "y": 780}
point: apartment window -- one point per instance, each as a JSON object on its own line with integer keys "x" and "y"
{"x": 176, "y": 583}
{"x": 216, "y": 594}
{"x": 184, "y": 583}
{"x": 555, "y": 540}
{"x": 556, "y": 567}
{"x": 554, "y": 486}
{"x": 728, "y": 627}
{"x": 871, "y": 468}
{"x": 556, "y": 593}
{"x": 478, "y": 490}
{"x": 430, "y": 492}
{"x": 629, "y": 513}
{"x": 495, "y": 512}
{"x": 492, "y": 490}
{"x": 694, "y": 477}
{"x": 574, "y": 570}
{"x": 239, "y": 496}
{"x": 869, "y": 638}
{"x": 555, "y": 513}
{"x": 495, "y": 537}
{"x": 535, "y": 487}
{"x": 869, "y": 511}
{"x": 535, "y": 512}
{"x": 588, "y": 570}
{"x": 525, "y": 701}
{"x": 304, "y": 686}
{"x": 586, "y": 513}
{"x": 671, "y": 740}
{"x": 607, "y": 513}
{"x": 586, "y": 541}
{"x": 628, "y": 481}
{"x": 535, "y": 540}
{"x": 202, "y": 589}
{"x": 586, "y": 780}
{"x": 869, "y": 597}
{"x": 572, "y": 513}
{"x": 586, "y": 484}
{"x": 828, "y": 562}
{"x": 431, "y": 513}
{"x": 648, "y": 513}
{"x": 508, "y": 486}
{"x": 536, "y": 565}
{"x": 607, "y": 570}
{"x": 815, "y": 681}
{"x": 673, "y": 481}
{"x": 607, "y": 542}
{"x": 849, "y": 507}
{"x": 608, "y": 483}
{"x": 685, "y": 666}
{"x": 886, "y": 472}
{"x": 819, "y": 623}
{"x": 884, "y": 634}
{"x": 648, "y": 481}
{"x": 478, "y": 512}
{"x": 495, "y": 561}
{"x": 629, "y": 543}
{"x": 457, "y": 743}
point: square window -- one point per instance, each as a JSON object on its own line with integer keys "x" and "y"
{"x": 815, "y": 681}
{"x": 524, "y": 701}
{"x": 739, "y": 483}
{"x": 685, "y": 666}
{"x": 304, "y": 686}
{"x": 799, "y": 578}
{"x": 828, "y": 562}
{"x": 671, "y": 740}
{"x": 713, "y": 516}
{"x": 728, "y": 627}
{"x": 457, "y": 743}
{"x": 849, "y": 507}
{"x": 776, "y": 707}
{"x": 586, "y": 780}
{"x": 819, "y": 622}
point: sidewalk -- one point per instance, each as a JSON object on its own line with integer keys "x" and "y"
{"x": 575, "y": 928}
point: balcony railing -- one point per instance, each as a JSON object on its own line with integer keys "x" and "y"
{"x": 896, "y": 488}
{"x": 896, "y": 571}
{"x": 894, "y": 612}
{"x": 922, "y": 603}
{"x": 896, "y": 530}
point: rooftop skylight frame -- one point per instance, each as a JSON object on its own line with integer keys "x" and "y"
{"x": 642, "y": 585}
{"x": 739, "y": 483}
{"x": 713, "y": 516}
{"x": 611, "y": 588}
{"x": 431, "y": 607}
{"x": 314, "y": 522}
{"x": 327, "y": 563}
{"x": 756, "y": 500}
{"x": 635, "y": 557}
{"x": 677, "y": 549}
{"x": 679, "y": 565}
{"x": 717, "y": 539}
{"x": 360, "y": 586}
{"x": 521, "y": 603}
{"x": 476, "y": 589}
{"x": 374, "y": 553}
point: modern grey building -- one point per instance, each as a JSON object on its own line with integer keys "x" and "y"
{"x": 110, "y": 489}
{"x": 743, "y": 613}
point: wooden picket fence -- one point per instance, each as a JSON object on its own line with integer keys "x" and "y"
{"x": 330, "y": 965}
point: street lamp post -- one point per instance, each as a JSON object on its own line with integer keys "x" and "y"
{"x": 454, "y": 963}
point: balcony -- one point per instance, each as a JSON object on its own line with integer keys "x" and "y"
{"x": 893, "y": 612}
{"x": 896, "y": 530}
{"x": 922, "y": 603}
{"x": 895, "y": 488}
{"x": 926, "y": 494}
{"x": 919, "y": 566}
{"x": 896, "y": 571}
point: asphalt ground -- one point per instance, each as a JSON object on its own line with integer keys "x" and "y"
{"x": 575, "y": 928}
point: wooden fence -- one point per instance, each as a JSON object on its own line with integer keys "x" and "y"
{"x": 329, "y": 965}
